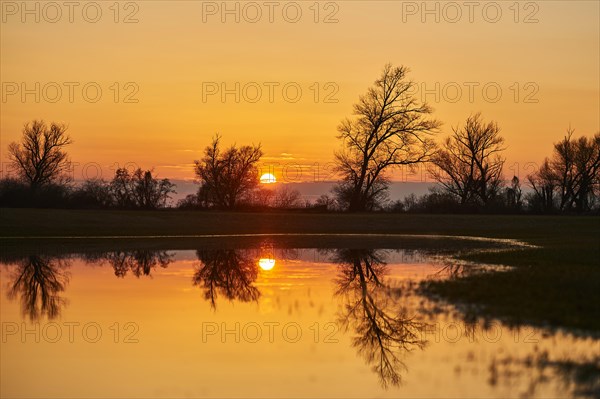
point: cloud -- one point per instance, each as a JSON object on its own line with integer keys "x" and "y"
{"x": 181, "y": 166}
{"x": 284, "y": 156}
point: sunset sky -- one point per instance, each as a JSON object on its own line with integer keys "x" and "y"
{"x": 177, "y": 51}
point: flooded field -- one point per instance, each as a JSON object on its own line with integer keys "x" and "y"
{"x": 265, "y": 321}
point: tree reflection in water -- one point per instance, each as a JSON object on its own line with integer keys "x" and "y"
{"x": 230, "y": 273}
{"x": 138, "y": 262}
{"x": 39, "y": 281}
{"x": 373, "y": 311}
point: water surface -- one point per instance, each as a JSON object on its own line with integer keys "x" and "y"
{"x": 264, "y": 321}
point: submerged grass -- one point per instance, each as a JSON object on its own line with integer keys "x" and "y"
{"x": 556, "y": 283}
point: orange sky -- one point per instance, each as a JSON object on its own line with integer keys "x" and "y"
{"x": 178, "y": 49}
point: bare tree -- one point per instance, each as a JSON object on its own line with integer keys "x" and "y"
{"x": 383, "y": 329}
{"x": 287, "y": 198}
{"x": 41, "y": 158}
{"x": 139, "y": 262}
{"x": 120, "y": 189}
{"x": 576, "y": 163}
{"x": 231, "y": 273}
{"x": 149, "y": 192}
{"x": 391, "y": 128}
{"x": 39, "y": 281}
{"x": 262, "y": 196}
{"x": 544, "y": 183}
{"x": 227, "y": 177}
{"x": 587, "y": 178}
{"x": 469, "y": 166}
{"x": 139, "y": 189}
{"x": 571, "y": 177}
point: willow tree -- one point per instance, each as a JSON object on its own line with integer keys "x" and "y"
{"x": 390, "y": 128}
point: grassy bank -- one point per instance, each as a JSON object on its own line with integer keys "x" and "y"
{"x": 557, "y": 284}
{"x": 45, "y": 222}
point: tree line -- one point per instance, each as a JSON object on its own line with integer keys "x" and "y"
{"x": 42, "y": 180}
{"x": 390, "y": 127}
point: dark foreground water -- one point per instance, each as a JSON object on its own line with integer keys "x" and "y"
{"x": 265, "y": 322}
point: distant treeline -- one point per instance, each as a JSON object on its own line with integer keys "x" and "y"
{"x": 561, "y": 185}
{"x": 390, "y": 128}
{"x": 137, "y": 190}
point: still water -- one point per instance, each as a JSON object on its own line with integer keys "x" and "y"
{"x": 265, "y": 322}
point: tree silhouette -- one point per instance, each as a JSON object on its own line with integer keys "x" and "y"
{"x": 139, "y": 262}
{"x": 391, "y": 128}
{"x": 570, "y": 179}
{"x": 514, "y": 194}
{"x": 382, "y": 327}
{"x": 40, "y": 158}
{"x": 286, "y": 198}
{"x": 228, "y": 272}
{"x": 544, "y": 183}
{"x": 38, "y": 281}
{"x": 227, "y": 177}
{"x": 469, "y": 165}
{"x": 139, "y": 189}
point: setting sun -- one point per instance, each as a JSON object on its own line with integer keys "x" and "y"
{"x": 266, "y": 263}
{"x": 268, "y": 178}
